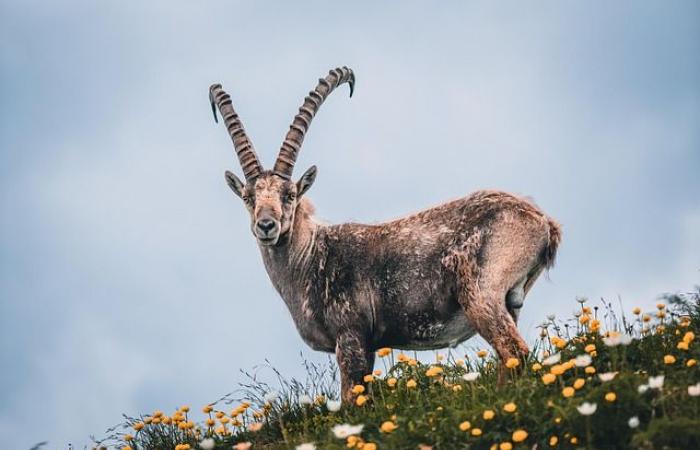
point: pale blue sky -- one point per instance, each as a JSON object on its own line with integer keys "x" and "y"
{"x": 128, "y": 278}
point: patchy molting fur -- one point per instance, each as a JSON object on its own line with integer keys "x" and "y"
{"x": 424, "y": 281}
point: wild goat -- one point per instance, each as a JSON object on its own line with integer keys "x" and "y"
{"x": 425, "y": 281}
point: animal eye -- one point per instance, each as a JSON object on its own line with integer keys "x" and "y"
{"x": 248, "y": 199}
{"x": 291, "y": 196}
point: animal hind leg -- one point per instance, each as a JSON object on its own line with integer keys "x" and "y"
{"x": 490, "y": 317}
{"x": 483, "y": 300}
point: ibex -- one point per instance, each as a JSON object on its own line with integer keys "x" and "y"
{"x": 425, "y": 281}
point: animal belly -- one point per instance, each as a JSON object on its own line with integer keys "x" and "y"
{"x": 434, "y": 334}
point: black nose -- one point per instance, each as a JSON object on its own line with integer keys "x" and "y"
{"x": 266, "y": 225}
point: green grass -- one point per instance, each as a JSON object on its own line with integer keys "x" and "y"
{"x": 430, "y": 414}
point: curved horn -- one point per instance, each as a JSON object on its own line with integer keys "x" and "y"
{"x": 244, "y": 148}
{"x": 300, "y": 125}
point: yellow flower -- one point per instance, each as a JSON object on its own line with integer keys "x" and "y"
{"x": 224, "y": 420}
{"x": 384, "y": 351}
{"x": 553, "y": 441}
{"x": 682, "y": 345}
{"x": 510, "y": 407}
{"x": 403, "y": 358}
{"x": 456, "y": 388}
{"x": 476, "y": 432}
{"x": 255, "y": 426}
{"x": 660, "y": 306}
{"x": 568, "y": 392}
{"x": 688, "y": 337}
{"x": 128, "y": 437}
{"x": 147, "y": 420}
{"x": 536, "y": 367}
{"x": 465, "y": 426}
{"x": 519, "y": 435}
{"x": 138, "y": 426}
{"x": 210, "y": 422}
{"x": 505, "y": 446}
{"x": 482, "y": 353}
{"x": 584, "y": 319}
{"x": 636, "y": 311}
{"x": 369, "y": 446}
{"x": 361, "y": 400}
{"x": 126, "y": 447}
{"x": 185, "y": 409}
{"x": 691, "y": 362}
{"x": 549, "y": 378}
{"x": 207, "y": 409}
{"x": 669, "y": 359}
{"x": 611, "y": 396}
{"x": 646, "y": 318}
{"x": 574, "y": 440}
{"x": 368, "y": 378}
{"x": 590, "y": 370}
{"x": 595, "y": 325}
{"x": 388, "y": 426}
{"x": 578, "y": 384}
{"x": 489, "y": 414}
{"x": 377, "y": 372}
{"x": 557, "y": 420}
{"x": 558, "y": 342}
{"x": 411, "y": 383}
{"x": 433, "y": 371}
{"x": 558, "y": 369}
{"x": 589, "y": 348}
{"x": 358, "y": 389}
{"x": 459, "y": 362}
{"x": 391, "y": 382}
{"x": 512, "y": 363}
{"x": 412, "y": 362}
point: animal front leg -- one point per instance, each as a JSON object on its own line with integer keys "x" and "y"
{"x": 354, "y": 361}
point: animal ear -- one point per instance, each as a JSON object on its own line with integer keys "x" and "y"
{"x": 234, "y": 183}
{"x": 306, "y": 180}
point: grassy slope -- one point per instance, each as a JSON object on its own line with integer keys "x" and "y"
{"x": 443, "y": 410}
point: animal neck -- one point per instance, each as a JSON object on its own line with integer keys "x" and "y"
{"x": 290, "y": 261}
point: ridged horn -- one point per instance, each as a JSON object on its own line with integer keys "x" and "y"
{"x": 244, "y": 148}
{"x": 284, "y": 165}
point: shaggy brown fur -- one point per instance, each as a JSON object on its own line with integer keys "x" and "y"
{"x": 425, "y": 281}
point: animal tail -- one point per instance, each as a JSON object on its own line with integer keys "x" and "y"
{"x": 550, "y": 252}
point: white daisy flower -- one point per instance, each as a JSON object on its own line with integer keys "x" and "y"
{"x": 656, "y": 382}
{"x": 551, "y": 360}
{"x": 616, "y": 339}
{"x": 607, "y": 376}
{"x": 633, "y": 422}
{"x": 306, "y": 400}
{"x": 694, "y": 390}
{"x": 307, "y": 446}
{"x": 333, "y": 405}
{"x": 470, "y": 376}
{"x": 344, "y": 430}
{"x": 207, "y": 444}
{"x": 586, "y": 409}
{"x": 642, "y": 388}
{"x": 583, "y": 360}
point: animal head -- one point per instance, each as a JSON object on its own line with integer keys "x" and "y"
{"x": 271, "y": 196}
